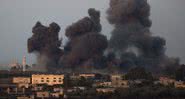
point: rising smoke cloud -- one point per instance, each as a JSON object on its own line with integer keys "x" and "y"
{"x": 131, "y": 38}
{"x": 46, "y": 44}
{"x": 86, "y": 44}
{"x": 131, "y": 44}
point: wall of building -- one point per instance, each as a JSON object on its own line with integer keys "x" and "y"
{"x": 47, "y": 79}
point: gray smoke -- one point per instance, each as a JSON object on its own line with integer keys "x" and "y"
{"x": 86, "y": 44}
{"x": 131, "y": 38}
{"x": 46, "y": 44}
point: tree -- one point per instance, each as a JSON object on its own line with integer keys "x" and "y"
{"x": 67, "y": 81}
{"x": 180, "y": 73}
{"x": 138, "y": 73}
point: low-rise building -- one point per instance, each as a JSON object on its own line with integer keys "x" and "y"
{"x": 80, "y": 88}
{"x": 22, "y": 81}
{"x": 24, "y": 97}
{"x": 118, "y": 81}
{"x": 87, "y": 75}
{"x": 58, "y": 89}
{"x": 49, "y": 79}
{"x": 56, "y": 95}
{"x": 105, "y": 90}
{"x": 37, "y": 88}
{"x": 166, "y": 81}
{"x": 179, "y": 84}
{"x": 43, "y": 94}
{"x": 102, "y": 84}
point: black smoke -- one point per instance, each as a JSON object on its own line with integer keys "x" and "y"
{"x": 86, "y": 44}
{"x": 46, "y": 44}
{"x": 132, "y": 44}
{"x": 83, "y": 51}
{"x": 132, "y": 40}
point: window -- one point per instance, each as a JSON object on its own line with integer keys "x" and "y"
{"x": 42, "y": 80}
{"x": 54, "y": 80}
{"x": 59, "y": 80}
{"x": 47, "y": 80}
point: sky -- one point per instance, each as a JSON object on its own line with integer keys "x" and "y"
{"x": 17, "y": 17}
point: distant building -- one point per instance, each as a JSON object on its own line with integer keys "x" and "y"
{"x": 37, "y": 88}
{"x": 42, "y": 95}
{"x": 49, "y": 79}
{"x": 166, "y": 81}
{"x": 24, "y": 97}
{"x": 117, "y": 81}
{"x": 22, "y": 81}
{"x": 56, "y": 95}
{"x": 103, "y": 84}
{"x": 105, "y": 90}
{"x": 179, "y": 84}
{"x": 87, "y": 75}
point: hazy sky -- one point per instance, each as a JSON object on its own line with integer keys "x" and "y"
{"x": 17, "y": 17}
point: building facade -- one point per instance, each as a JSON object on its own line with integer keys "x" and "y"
{"x": 22, "y": 81}
{"x": 49, "y": 79}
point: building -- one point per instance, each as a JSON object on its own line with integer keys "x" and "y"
{"x": 118, "y": 81}
{"x": 115, "y": 78}
{"x": 42, "y": 94}
{"x": 103, "y": 84}
{"x": 37, "y": 88}
{"x": 49, "y": 79}
{"x": 179, "y": 84}
{"x": 24, "y": 97}
{"x": 22, "y": 81}
{"x": 56, "y": 95}
{"x": 105, "y": 90}
{"x": 87, "y": 75}
{"x": 166, "y": 81}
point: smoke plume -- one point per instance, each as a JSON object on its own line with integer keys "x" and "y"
{"x": 131, "y": 43}
{"x": 86, "y": 44}
{"x": 45, "y": 43}
{"x": 131, "y": 38}
{"x": 85, "y": 47}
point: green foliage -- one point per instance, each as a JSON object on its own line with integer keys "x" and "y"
{"x": 67, "y": 81}
{"x": 138, "y": 73}
{"x": 149, "y": 91}
{"x": 82, "y": 82}
{"x": 180, "y": 73}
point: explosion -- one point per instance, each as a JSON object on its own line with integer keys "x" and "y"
{"x": 131, "y": 44}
